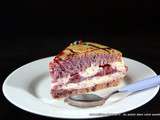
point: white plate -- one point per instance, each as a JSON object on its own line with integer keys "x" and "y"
{"x": 28, "y": 88}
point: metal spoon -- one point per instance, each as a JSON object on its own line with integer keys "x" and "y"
{"x": 92, "y": 100}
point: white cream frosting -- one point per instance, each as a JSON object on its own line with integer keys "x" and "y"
{"x": 90, "y": 71}
{"x": 120, "y": 66}
{"x": 93, "y": 69}
{"x": 93, "y": 81}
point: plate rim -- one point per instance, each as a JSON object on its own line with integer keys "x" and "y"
{"x": 47, "y": 115}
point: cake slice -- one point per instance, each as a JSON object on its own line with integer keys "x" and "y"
{"x": 84, "y": 67}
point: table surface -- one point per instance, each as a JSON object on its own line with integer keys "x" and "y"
{"x": 16, "y": 51}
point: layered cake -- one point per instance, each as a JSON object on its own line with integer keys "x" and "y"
{"x": 84, "y": 67}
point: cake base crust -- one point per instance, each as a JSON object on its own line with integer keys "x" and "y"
{"x": 65, "y": 92}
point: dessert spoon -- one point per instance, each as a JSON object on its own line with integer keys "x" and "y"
{"x": 92, "y": 100}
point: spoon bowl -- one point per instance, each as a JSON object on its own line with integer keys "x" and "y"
{"x": 92, "y": 100}
{"x": 85, "y": 100}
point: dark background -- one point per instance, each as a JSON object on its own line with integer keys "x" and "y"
{"x": 30, "y": 30}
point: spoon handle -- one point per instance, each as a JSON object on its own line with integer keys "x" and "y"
{"x": 142, "y": 84}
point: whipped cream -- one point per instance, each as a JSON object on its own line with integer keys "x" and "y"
{"x": 120, "y": 66}
{"x": 93, "y": 81}
{"x": 90, "y": 71}
{"x": 93, "y": 69}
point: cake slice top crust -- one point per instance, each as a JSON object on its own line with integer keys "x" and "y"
{"x": 78, "y": 56}
{"x": 81, "y": 48}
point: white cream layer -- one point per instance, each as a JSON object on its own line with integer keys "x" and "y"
{"x": 93, "y": 81}
{"x": 90, "y": 71}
